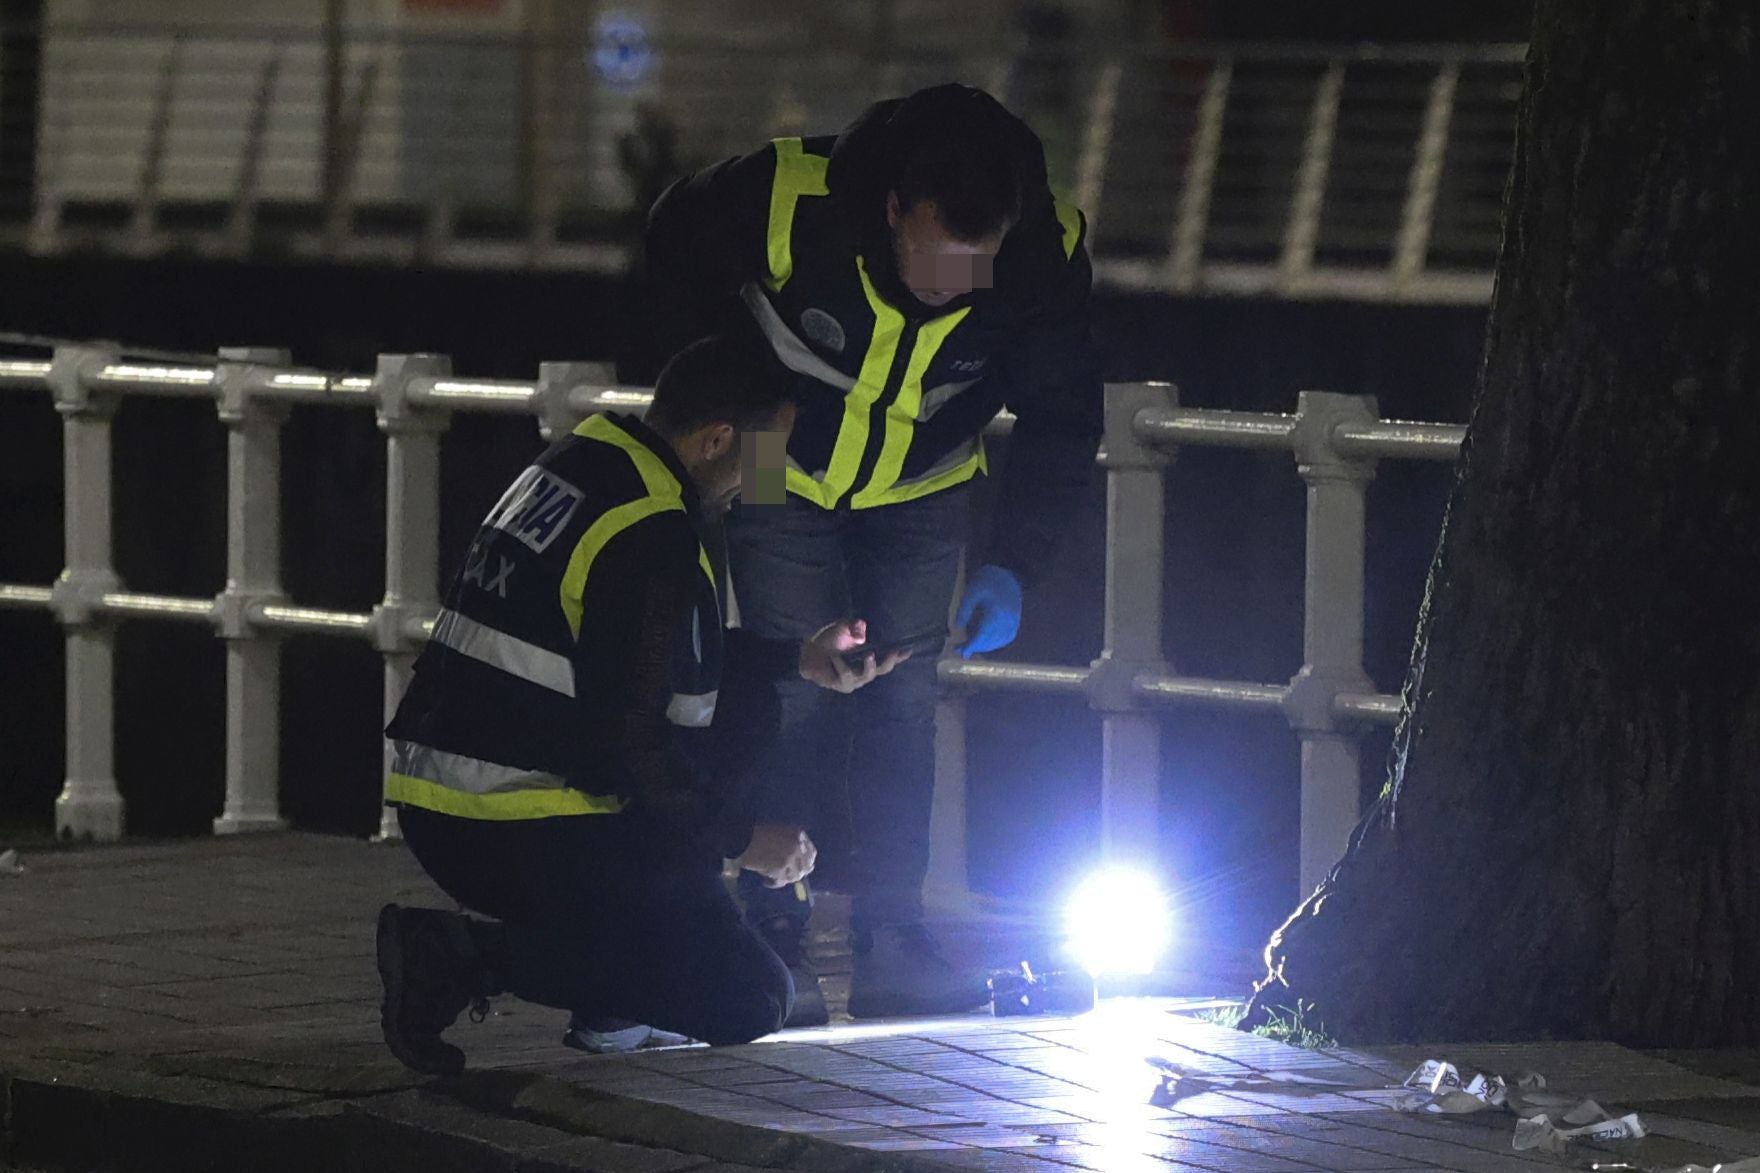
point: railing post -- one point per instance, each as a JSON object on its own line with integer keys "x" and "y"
{"x": 342, "y": 162}
{"x": 1419, "y": 216}
{"x": 412, "y": 525}
{"x": 949, "y": 880}
{"x": 1302, "y": 233}
{"x": 1097, "y": 145}
{"x": 1130, "y": 763}
{"x": 540, "y": 48}
{"x": 555, "y": 380}
{"x": 1186, "y": 258}
{"x": 241, "y": 221}
{"x": 90, "y": 806}
{"x": 1332, "y": 628}
{"x": 948, "y": 883}
{"x": 143, "y": 226}
{"x": 253, "y": 576}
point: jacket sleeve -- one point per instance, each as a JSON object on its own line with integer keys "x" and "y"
{"x": 1051, "y": 382}
{"x": 636, "y": 606}
{"x": 706, "y": 236}
{"x": 748, "y": 719}
{"x": 756, "y": 658}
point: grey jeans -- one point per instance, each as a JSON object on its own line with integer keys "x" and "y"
{"x": 797, "y": 567}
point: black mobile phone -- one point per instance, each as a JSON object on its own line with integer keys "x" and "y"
{"x": 880, "y": 649}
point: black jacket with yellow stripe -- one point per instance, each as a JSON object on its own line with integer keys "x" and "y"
{"x": 893, "y": 394}
{"x": 576, "y": 665}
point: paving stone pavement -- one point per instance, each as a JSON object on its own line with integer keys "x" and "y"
{"x": 235, "y": 976}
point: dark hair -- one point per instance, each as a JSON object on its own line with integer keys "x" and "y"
{"x": 719, "y": 379}
{"x": 962, "y": 162}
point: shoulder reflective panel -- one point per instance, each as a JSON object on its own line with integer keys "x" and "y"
{"x": 516, "y": 657}
{"x": 656, "y": 477}
{"x": 664, "y": 493}
{"x": 901, "y": 417}
{"x": 471, "y": 788}
{"x": 794, "y": 354}
{"x": 852, "y": 434}
{"x": 1072, "y": 220}
{"x": 797, "y": 174}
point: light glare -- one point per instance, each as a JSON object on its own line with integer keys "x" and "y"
{"x": 1119, "y": 922}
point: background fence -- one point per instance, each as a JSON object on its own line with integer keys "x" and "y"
{"x": 1362, "y": 172}
{"x": 1336, "y": 441}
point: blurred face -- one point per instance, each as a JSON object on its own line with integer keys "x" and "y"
{"x": 749, "y": 464}
{"x": 935, "y": 265}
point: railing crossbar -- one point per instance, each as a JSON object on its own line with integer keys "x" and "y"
{"x": 1335, "y": 441}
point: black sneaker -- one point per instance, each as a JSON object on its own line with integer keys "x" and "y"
{"x": 900, "y": 972}
{"x": 787, "y": 935}
{"x": 431, "y": 971}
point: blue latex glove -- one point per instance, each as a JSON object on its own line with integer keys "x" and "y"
{"x": 990, "y": 612}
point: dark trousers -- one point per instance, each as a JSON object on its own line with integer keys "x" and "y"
{"x": 797, "y": 567}
{"x": 596, "y": 919}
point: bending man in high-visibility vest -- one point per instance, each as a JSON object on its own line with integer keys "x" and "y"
{"x": 915, "y": 275}
{"x": 561, "y": 762}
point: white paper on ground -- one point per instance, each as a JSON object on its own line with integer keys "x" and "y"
{"x": 1538, "y": 1132}
{"x": 1440, "y": 1089}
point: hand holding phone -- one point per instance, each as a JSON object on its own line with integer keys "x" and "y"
{"x": 839, "y": 657}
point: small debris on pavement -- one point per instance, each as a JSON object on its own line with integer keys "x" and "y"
{"x": 1748, "y": 1165}
{"x": 1549, "y": 1121}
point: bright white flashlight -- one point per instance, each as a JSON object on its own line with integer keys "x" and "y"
{"x": 1119, "y": 922}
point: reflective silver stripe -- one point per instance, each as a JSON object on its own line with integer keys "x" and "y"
{"x": 790, "y": 350}
{"x": 947, "y": 463}
{"x": 692, "y": 712}
{"x": 472, "y": 775}
{"x": 497, "y": 649}
{"x": 935, "y": 398}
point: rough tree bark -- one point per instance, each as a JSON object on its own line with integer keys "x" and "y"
{"x": 1569, "y": 841}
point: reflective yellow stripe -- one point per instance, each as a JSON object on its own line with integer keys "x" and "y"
{"x": 852, "y": 435}
{"x": 664, "y": 493}
{"x": 580, "y": 563}
{"x": 802, "y": 485}
{"x": 901, "y": 417}
{"x": 1070, "y": 217}
{"x": 797, "y": 174}
{"x": 964, "y": 471}
{"x": 656, "y": 477}
{"x": 501, "y": 806}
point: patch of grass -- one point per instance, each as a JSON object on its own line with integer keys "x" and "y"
{"x": 1227, "y": 1017}
{"x": 1286, "y": 1024}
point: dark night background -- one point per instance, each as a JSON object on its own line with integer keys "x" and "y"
{"x": 1234, "y": 598}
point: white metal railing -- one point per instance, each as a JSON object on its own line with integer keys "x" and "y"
{"x": 1336, "y": 440}
{"x": 1303, "y": 171}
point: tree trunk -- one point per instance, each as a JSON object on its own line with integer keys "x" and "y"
{"x": 1569, "y": 842}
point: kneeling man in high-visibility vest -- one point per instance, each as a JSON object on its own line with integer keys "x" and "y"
{"x": 570, "y": 762}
